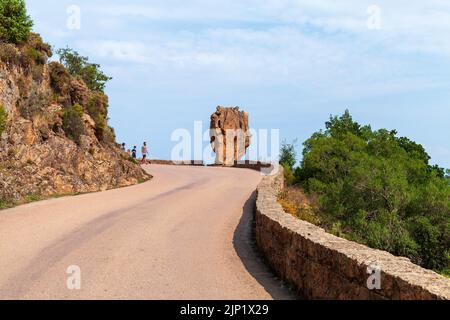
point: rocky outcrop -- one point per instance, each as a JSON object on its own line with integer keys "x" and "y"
{"x": 230, "y": 135}
{"x": 322, "y": 266}
{"x": 37, "y": 158}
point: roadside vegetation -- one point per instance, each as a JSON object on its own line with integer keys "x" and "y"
{"x": 372, "y": 187}
{"x": 3, "y": 119}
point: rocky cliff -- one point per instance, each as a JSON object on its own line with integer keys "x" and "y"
{"x": 54, "y": 137}
{"x": 230, "y": 135}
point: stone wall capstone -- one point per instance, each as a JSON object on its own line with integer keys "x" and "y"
{"x": 322, "y": 266}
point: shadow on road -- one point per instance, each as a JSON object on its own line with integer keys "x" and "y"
{"x": 244, "y": 243}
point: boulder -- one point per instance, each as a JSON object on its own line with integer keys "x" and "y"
{"x": 230, "y": 135}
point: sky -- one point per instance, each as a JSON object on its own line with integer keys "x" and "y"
{"x": 289, "y": 63}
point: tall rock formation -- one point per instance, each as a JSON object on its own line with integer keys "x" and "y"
{"x": 230, "y": 134}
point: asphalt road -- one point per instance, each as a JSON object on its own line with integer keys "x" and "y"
{"x": 186, "y": 234}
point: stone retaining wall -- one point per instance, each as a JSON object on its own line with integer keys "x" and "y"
{"x": 176, "y": 163}
{"x": 322, "y": 266}
{"x": 258, "y": 166}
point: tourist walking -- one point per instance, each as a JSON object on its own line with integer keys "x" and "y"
{"x": 144, "y": 151}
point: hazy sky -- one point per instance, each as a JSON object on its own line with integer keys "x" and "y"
{"x": 289, "y": 63}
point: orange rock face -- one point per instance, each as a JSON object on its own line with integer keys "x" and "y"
{"x": 230, "y": 134}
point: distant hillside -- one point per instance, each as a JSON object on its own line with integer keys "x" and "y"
{"x": 54, "y": 135}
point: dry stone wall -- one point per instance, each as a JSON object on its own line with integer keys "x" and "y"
{"x": 322, "y": 266}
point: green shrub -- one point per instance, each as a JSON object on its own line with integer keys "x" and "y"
{"x": 60, "y": 82}
{"x": 78, "y": 65}
{"x": 433, "y": 241}
{"x": 381, "y": 188}
{"x": 3, "y": 119}
{"x": 44, "y": 50}
{"x": 34, "y": 54}
{"x": 5, "y": 203}
{"x": 97, "y": 108}
{"x": 59, "y": 77}
{"x": 15, "y": 24}
{"x": 288, "y": 157}
{"x": 289, "y": 177}
{"x": 73, "y": 124}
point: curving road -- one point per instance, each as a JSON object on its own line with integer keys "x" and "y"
{"x": 183, "y": 235}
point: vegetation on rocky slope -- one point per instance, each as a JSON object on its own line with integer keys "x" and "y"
{"x": 80, "y": 66}
{"x": 3, "y": 119}
{"x": 54, "y": 132}
{"x": 375, "y": 188}
{"x": 15, "y": 24}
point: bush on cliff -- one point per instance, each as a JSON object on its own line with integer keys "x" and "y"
{"x": 71, "y": 88}
{"x": 31, "y": 56}
{"x": 33, "y": 102}
{"x": 80, "y": 66}
{"x": 97, "y": 108}
{"x": 60, "y": 82}
{"x": 34, "y": 53}
{"x": 380, "y": 190}
{"x": 3, "y": 119}
{"x": 73, "y": 124}
{"x": 15, "y": 24}
{"x": 9, "y": 54}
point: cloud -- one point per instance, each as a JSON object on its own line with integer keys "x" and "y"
{"x": 125, "y": 51}
{"x": 315, "y": 44}
{"x": 278, "y": 57}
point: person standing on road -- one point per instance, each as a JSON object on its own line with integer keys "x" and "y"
{"x": 144, "y": 151}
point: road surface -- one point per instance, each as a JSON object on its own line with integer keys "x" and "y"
{"x": 183, "y": 235}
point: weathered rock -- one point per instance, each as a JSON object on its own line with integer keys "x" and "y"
{"x": 38, "y": 159}
{"x": 230, "y": 134}
{"x": 79, "y": 92}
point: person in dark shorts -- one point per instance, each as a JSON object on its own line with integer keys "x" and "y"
{"x": 144, "y": 151}
{"x": 134, "y": 152}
